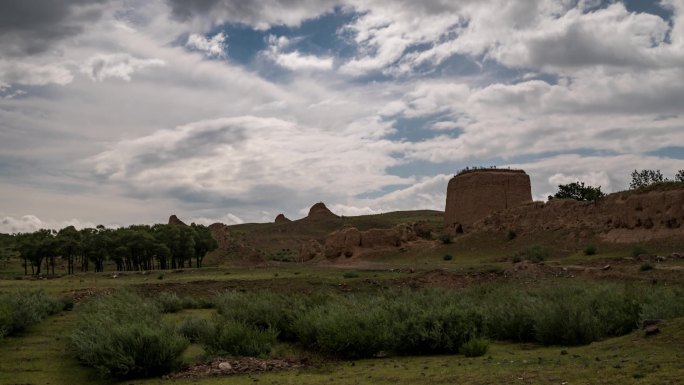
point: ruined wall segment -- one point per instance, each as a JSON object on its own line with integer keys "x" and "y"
{"x": 474, "y": 194}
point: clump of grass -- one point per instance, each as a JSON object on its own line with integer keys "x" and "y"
{"x": 196, "y": 329}
{"x": 447, "y": 257}
{"x": 236, "y": 338}
{"x": 536, "y": 254}
{"x": 123, "y": 335}
{"x": 646, "y": 266}
{"x": 638, "y": 250}
{"x": 475, "y": 347}
{"x": 590, "y": 250}
{"x": 511, "y": 235}
{"x": 170, "y": 302}
{"x": 21, "y": 310}
{"x": 516, "y": 258}
{"x": 350, "y": 274}
{"x": 446, "y": 238}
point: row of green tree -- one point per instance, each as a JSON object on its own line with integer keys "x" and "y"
{"x": 133, "y": 248}
{"x": 640, "y": 179}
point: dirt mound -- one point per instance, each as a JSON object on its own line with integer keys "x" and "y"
{"x": 342, "y": 242}
{"x": 473, "y": 195}
{"x": 320, "y": 211}
{"x": 237, "y": 365}
{"x": 619, "y": 218}
{"x": 310, "y": 250}
{"x": 173, "y": 220}
{"x": 281, "y": 218}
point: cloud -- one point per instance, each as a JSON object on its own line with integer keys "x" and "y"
{"x": 213, "y": 47}
{"x": 122, "y": 66}
{"x": 257, "y": 14}
{"x": 295, "y": 60}
{"x": 30, "y": 223}
{"x": 29, "y": 27}
{"x": 247, "y": 159}
{"x": 34, "y": 73}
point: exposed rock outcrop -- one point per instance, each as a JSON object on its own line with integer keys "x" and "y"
{"x": 310, "y": 250}
{"x": 474, "y": 194}
{"x": 221, "y": 234}
{"x": 281, "y": 218}
{"x": 173, "y": 220}
{"x": 349, "y": 240}
{"x": 342, "y": 242}
{"x": 621, "y": 217}
{"x": 320, "y": 211}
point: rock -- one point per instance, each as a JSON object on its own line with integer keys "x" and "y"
{"x": 225, "y": 366}
{"x": 652, "y": 330}
{"x": 281, "y": 218}
{"x": 376, "y": 238}
{"x": 606, "y": 267}
{"x": 473, "y": 195}
{"x": 310, "y": 250}
{"x": 320, "y": 211}
{"x": 173, "y": 220}
{"x": 342, "y": 242}
{"x": 221, "y": 234}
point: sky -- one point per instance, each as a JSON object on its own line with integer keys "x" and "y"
{"x": 125, "y": 112}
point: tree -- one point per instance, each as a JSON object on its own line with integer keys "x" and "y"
{"x": 68, "y": 243}
{"x": 579, "y": 191}
{"x": 645, "y": 178}
{"x": 679, "y": 176}
{"x": 204, "y": 242}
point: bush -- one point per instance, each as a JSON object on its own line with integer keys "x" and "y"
{"x": 23, "y": 309}
{"x": 263, "y": 310}
{"x": 447, "y": 257}
{"x": 638, "y": 250}
{"x": 536, "y": 254}
{"x": 516, "y": 258}
{"x": 170, "y": 302}
{"x": 123, "y": 335}
{"x": 350, "y": 274}
{"x": 590, "y": 250}
{"x": 236, "y": 338}
{"x": 476, "y": 347}
{"x": 196, "y": 329}
{"x": 646, "y": 266}
{"x": 446, "y": 238}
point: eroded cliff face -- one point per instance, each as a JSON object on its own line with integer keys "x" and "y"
{"x": 473, "y": 195}
{"x": 621, "y": 218}
{"x": 349, "y": 241}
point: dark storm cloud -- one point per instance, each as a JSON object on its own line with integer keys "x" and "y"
{"x": 32, "y": 26}
{"x": 258, "y": 13}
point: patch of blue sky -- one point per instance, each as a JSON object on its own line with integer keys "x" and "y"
{"x": 320, "y": 36}
{"x": 673, "y": 152}
{"x": 420, "y": 128}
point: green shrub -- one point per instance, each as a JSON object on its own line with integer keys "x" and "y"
{"x": 511, "y": 235}
{"x": 447, "y": 257}
{"x": 446, "y": 238}
{"x": 646, "y": 266}
{"x": 236, "y": 338}
{"x": 169, "y": 302}
{"x": 516, "y": 258}
{"x": 536, "y": 254}
{"x": 590, "y": 250}
{"x": 67, "y": 303}
{"x": 475, "y": 347}
{"x": 122, "y": 335}
{"x": 638, "y": 250}
{"x": 350, "y": 274}
{"x": 196, "y": 329}
{"x": 264, "y": 310}
{"x": 23, "y": 309}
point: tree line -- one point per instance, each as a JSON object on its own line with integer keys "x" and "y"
{"x": 640, "y": 179}
{"x": 132, "y": 248}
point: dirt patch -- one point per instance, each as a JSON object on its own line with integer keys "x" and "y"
{"x": 238, "y": 365}
{"x": 81, "y": 295}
